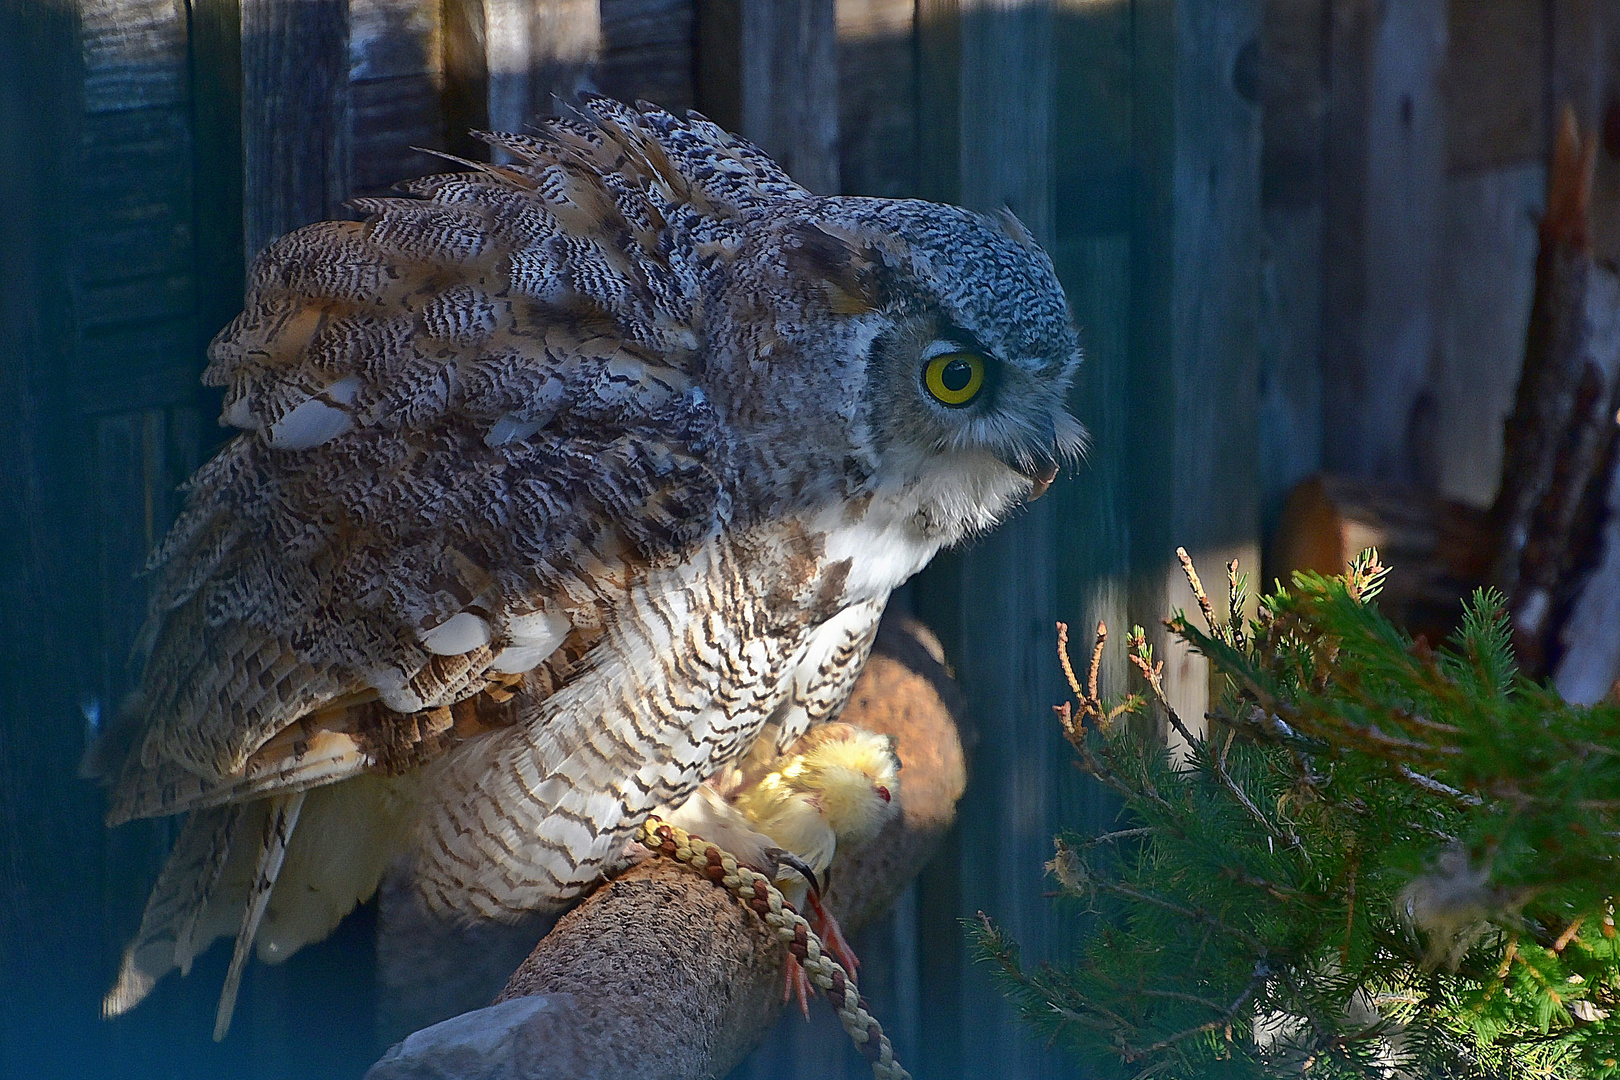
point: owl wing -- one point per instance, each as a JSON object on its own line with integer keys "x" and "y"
{"x": 469, "y": 423}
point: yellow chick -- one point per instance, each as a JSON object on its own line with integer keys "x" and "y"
{"x": 787, "y": 815}
{"x": 836, "y": 786}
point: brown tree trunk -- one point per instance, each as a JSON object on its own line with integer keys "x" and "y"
{"x": 1558, "y": 443}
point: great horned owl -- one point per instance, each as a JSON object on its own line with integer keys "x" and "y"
{"x": 557, "y": 482}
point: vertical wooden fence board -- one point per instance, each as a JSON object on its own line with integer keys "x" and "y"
{"x": 567, "y": 47}
{"x": 1385, "y": 169}
{"x": 1093, "y": 113}
{"x": 939, "y": 99}
{"x": 1606, "y": 182}
{"x": 1293, "y": 94}
{"x": 936, "y": 593}
{"x": 537, "y": 53}
{"x": 1487, "y": 278}
{"x": 466, "y": 77}
{"x": 396, "y": 85}
{"x": 647, "y": 51}
{"x": 296, "y": 164}
{"x": 1495, "y": 82}
{"x": 1214, "y": 498}
{"x": 1008, "y": 605}
{"x": 508, "y": 55}
{"x": 134, "y": 54}
{"x": 787, "y": 101}
{"x": 135, "y": 362}
{"x": 877, "y": 98}
{"x": 216, "y": 73}
{"x": 47, "y": 827}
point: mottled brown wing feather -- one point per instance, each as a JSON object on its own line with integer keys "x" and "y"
{"x": 470, "y": 422}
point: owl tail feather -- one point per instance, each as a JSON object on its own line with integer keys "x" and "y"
{"x": 169, "y": 936}
{"x": 278, "y": 829}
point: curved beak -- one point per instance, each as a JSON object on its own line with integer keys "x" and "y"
{"x": 1041, "y": 479}
{"x": 1036, "y": 460}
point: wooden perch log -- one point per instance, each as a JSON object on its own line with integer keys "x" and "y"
{"x": 660, "y": 973}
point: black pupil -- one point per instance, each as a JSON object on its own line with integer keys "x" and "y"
{"x": 956, "y": 376}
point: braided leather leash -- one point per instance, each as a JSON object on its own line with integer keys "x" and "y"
{"x": 758, "y": 894}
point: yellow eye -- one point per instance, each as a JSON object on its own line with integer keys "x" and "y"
{"x": 955, "y": 378}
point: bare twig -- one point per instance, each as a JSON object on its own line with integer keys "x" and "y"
{"x": 1198, "y": 591}
{"x": 1063, "y": 659}
{"x": 1117, "y": 835}
{"x": 1236, "y": 597}
{"x": 1435, "y": 787}
{"x": 1141, "y": 654}
{"x": 1569, "y": 934}
{"x": 1096, "y": 661}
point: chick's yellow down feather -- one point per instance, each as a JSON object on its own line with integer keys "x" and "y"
{"x": 837, "y": 786}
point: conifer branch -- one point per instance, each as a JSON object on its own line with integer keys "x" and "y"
{"x": 1383, "y": 825}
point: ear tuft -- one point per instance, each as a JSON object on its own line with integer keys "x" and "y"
{"x": 851, "y": 273}
{"x": 1013, "y": 229}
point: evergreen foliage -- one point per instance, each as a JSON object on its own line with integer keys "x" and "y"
{"x": 1386, "y": 859}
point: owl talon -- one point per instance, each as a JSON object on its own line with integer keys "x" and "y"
{"x": 795, "y": 982}
{"x": 832, "y": 934}
{"x": 798, "y": 865}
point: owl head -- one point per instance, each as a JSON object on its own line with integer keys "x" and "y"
{"x": 907, "y": 349}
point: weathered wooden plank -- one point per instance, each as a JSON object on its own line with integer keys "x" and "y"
{"x": 142, "y": 367}
{"x": 1195, "y": 267}
{"x": 770, "y": 71}
{"x": 117, "y": 147}
{"x": 1495, "y": 83}
{"x": 1606, "y": 182}
{"x": 877, "y": 93}
{"x": 137, "y": 300}
{"x": 1091, "y": 135}
{"x": 135, "y": 194}
{"x": 1487, "y": 278}
{"x": 1385, "y": 170}
{"x": 392, "y": 38}
{"x": 134, "y": 54}
{"x": 216, "y": 64}
{"x": 47, "y": 835}
{"x": 939, "y": 99}
{"x": 647, "y": 51}
{"x": 295, "y": 115}
{"x": 127, "y": 517}
{"x": 1292, "y": 85}
{"x": 396, "y": 65}
{"x": 1577, "y": 75}
{"x": 466, "y": 78}
{"x": 1007, "y": 601}
{"x": 158, "y": 243}
{"x": 391, "y": 117}
{"x": 537, "y": 53}
{"x": 718, "y": 61}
